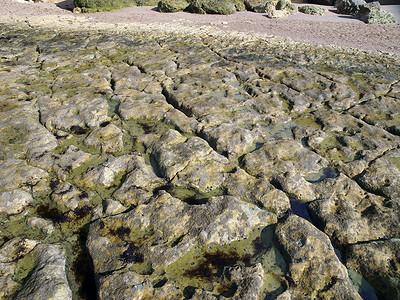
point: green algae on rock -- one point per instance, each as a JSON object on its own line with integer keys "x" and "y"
{"x": 313, "y": 10}
{"x": 172, "y": 5}
{"x": 146, "y": 149}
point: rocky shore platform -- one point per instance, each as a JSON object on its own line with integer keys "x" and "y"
{"x": 167, "y": 162}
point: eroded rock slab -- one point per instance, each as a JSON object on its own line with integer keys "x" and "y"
{"x": 314, "y": 268}
{"x": 176, "y": 162}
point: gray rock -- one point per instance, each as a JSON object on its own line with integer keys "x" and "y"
{"x": 382, "y": 177}
{"x": 71, "y": 159}
{"x": 379, "y": 263}
{"x": 22, "y": 135}
{"x": 230, "y": 140}
{"x": 363, "y": 216}
{"x": 278, "y": 157}
{"x": 223, "y": 7}
{"x": 17, "y": 174}
{"x": 48, "y": 279}
{"x": 221, "y": 220}
{"x": 11, "y": 258}
{"x": 189, "y": 161}
{"x": 144, "y": 106}
{"x": 15, "y": 249}
{"x": 46, "y": 226}
{"x": 105, "y": 175}
{"x": 349, "y": 7}
{"x": 112, "y": 207}
{"x": 314, "y": 269}
{"x": 313, "y": 10}
{"x": 14, "y": 202}
{"x": 256, "y": 190}
{"x": 279, "y": 9}
{"x": 139, "y": 184}
{"x": 108, "y": 139}
{"x": 126, "y": 285}
{"x": 68, "y": 197}
{"x": 254, "y": 5}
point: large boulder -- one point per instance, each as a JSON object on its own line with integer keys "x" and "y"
{"x": 223, "y": 7}
{"x": 172, "y": 5}
{"x": 372, "y": 13}
{"x": 349, "y": 7}
{"x": 107, "y": 5}
{"x": 279, "y": 9}
{"x": 312, "y": 10}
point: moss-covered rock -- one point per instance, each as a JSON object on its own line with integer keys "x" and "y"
{"x": 254, "y": 5}
{"x": 372, "y": 13}
{"x": 107, "y": 5}
{"x": 349, "y": 7}
{"x": 223, "y": 7}
{"x": 279, "y": 9}
{"x": 312, "y": 10}
{"x": 172, "y": 5}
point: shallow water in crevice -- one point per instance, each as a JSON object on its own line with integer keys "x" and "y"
{"x": 322, "y": 174}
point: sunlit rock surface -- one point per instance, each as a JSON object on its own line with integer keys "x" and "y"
{"x": 172, "y": 163}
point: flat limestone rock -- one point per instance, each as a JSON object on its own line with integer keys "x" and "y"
{"x": 48, "y": 278}
{"x": 378, "y": 260}
{"x": 108, "y": 139}
{"x": 363, "y": 216}
{"x": 141, "y": 243}
{"x": 281, "y": 156}
{"x": 189, "y": 161}
{"x": 14, "y": 202}
{"x": 177, "y": 158}
{"x": 17, "y": 174}
{"x": 139, "y": 184}
{"x": 314, "y": 268}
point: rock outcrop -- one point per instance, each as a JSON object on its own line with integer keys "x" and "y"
{"x": 149, "y": 162}
{"x": 368, "y": 12}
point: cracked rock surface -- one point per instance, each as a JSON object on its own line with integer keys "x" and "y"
{"x": 167, "y": 163}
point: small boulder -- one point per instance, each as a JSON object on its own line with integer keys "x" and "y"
{"x": 312, "y": 10}
{"x": 323, "y": 2}
{"x": 108, "y": 139}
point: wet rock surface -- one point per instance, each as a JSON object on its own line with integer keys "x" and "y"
{"x": 150, "y": 163}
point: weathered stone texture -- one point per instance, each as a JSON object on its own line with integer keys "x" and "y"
{"x": 148, "y": 163}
